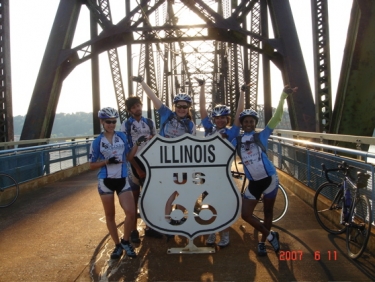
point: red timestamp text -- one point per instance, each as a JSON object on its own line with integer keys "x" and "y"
{"x": 290, "y": 255}
{"x": 298, "y": 255}
{"x": 331, "y": 255}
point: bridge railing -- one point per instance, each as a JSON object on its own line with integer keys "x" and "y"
{"x": 28, "y": 163}
{"x": 302, "y": 159}
{"x": 299, "y": 158}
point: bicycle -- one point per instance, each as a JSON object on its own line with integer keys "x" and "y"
{"x": 281, "y": 203}
{"x": 9, "y": 190}
{"x": 339, "y": 208}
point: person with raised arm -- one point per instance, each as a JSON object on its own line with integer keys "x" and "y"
{"x": 260, "y": 171}
{"x": 172, "y": 124}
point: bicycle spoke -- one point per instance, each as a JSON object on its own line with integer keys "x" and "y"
{"x": 359, "y": 227}
{"x": 327, "y": 208}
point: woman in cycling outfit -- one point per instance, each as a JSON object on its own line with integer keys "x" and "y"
{"x": 108, "y": 154}
{"x": 219, "y": 122}
{"x": 172, "y": 124}
{"x": 260, "y": 172}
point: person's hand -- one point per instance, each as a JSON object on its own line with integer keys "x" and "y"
{"x": 141, "y": 174}
{"x": 138, "y": 79}
{"x": 245, "y": 87}
{"x": 113, "y": 160}
{"x": 224, "y": 135}
{"x": 200, "y": 81}
{"x": 141, "y": 140}
{"x": 288, "y": 90}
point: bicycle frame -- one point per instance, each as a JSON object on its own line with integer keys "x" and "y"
{"x": 355, "y": 216}
{"x": 352, "y": 187}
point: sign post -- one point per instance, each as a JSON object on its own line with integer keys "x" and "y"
{"x": 188, "y": 189}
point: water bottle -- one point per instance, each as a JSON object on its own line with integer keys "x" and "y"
{"x": 347, "y": 202}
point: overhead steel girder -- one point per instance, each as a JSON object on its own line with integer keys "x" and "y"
{"x": 354, "y": 111}
{"x": 129, "y": 31}
{"x": 301, "y": 104}
{"x": 59, "y": 59}
{"x": 42, "y": 108}
{"x": 284, "y": 51}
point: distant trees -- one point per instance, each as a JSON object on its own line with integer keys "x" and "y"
{"x": 79, "y": 124}
{"x": 65, "y": 125}
{"x": 72, "y": 124}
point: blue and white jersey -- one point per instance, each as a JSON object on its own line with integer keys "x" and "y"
{"x": 135, "y": 129}
{"x": 101, "y": 149}
{"x": 256, "y": 163}
{"x": 210, "y": 128}
{"x": 171, "y": 127}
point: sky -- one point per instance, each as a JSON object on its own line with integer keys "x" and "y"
{"x": 31, "y": 23}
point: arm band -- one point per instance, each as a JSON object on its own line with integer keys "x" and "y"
{"x": 276, "y": 118}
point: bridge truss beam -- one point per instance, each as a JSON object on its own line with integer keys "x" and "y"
{"x": 6, "y": 112}
{"x": 322, "y": 65}
{"x": 354, "y": 111}
{"x": 211, "y": 28}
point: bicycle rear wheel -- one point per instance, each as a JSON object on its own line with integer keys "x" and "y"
{"x": 328, "y": 202}
{"x": 8, "y": 190}
{"x": 359, "y": 227}
{"x": 279, "y": 209}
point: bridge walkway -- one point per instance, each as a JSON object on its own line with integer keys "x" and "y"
{"x": 58, "y": 233}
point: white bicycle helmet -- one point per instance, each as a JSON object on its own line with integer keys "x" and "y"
{"x": 249, "y": 113}
{"x": 182, "y": 97}
{"x": 220, "y": 110}
{"x": 108, "y": 112}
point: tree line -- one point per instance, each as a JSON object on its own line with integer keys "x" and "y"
{"x": 65, "y": 125}
{"x": 81, "y": 124}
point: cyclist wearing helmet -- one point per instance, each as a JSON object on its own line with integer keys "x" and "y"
{"x": 136, "y": 128}
{"x": 108, "y": 154}
{"x": 220, "y": 119}
{"x": 260, "y": 172}
{"x": 172, "y": 124}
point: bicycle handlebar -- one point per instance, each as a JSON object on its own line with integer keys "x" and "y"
{"x": 341, "y": 167}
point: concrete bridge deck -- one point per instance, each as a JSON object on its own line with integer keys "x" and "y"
{"x": 58, "y": 233}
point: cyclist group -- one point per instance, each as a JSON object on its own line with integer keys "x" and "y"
{"x": 114, "y": 153}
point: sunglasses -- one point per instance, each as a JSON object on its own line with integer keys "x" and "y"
{"x": 182, "y": 107}
{"x": 110, "y": 121}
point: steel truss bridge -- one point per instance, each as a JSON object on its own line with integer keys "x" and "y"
{"x": 222, "y": 41}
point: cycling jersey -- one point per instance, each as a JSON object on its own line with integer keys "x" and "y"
{"x": 101, "y": 150}
{"x": 135, "y": 129}
{"x": 172, "y": 127}
{"x": 210, "y": 128}
{"x": 255, "y": 161}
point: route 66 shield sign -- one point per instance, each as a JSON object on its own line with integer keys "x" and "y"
{"x": 188, "y": 188}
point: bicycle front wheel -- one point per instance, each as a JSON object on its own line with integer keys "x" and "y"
{"x": 328, "y": 202}
{"x": 279, "y": 209}
{"x": 8, "y": 190}
{"x": 359, "y": 227}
